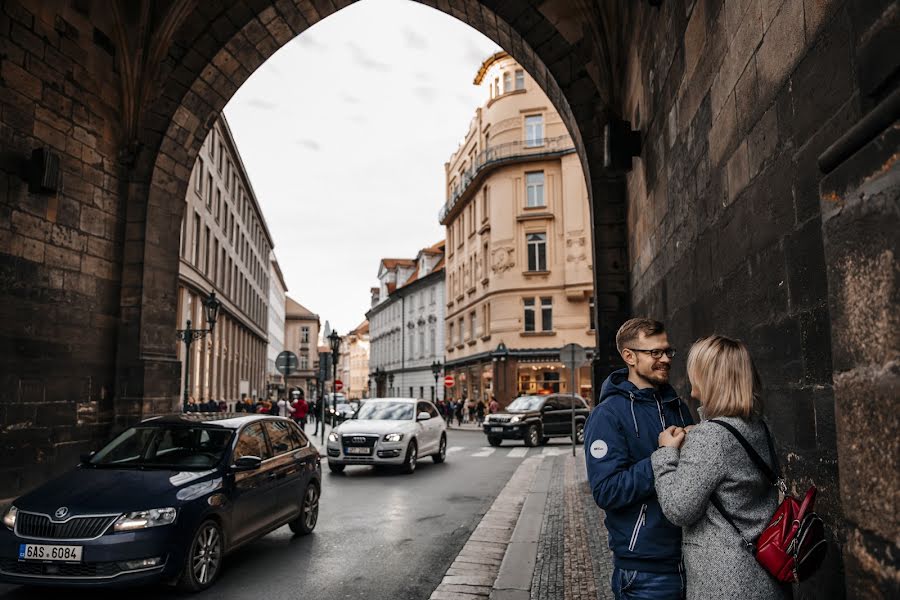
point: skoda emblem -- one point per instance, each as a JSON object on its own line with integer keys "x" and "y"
{"x": 61, "y": 512}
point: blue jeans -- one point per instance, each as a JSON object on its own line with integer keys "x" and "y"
{"x": 641, "y": 585}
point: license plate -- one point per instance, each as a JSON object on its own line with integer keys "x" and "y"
{"x": 497, "y": 429}
{"x": 48, "y": 552}
{"x": 357, "y": 451}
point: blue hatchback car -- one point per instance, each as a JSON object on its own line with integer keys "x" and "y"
{"x": 164, "y": 502}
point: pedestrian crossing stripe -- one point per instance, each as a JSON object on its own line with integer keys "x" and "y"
{"x": 485, "y": 452}
{"x": 517, "y": 452}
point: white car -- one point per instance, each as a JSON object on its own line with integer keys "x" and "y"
{"x": 389, "y": 431}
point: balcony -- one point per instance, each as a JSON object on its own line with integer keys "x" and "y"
{"x": 502, "y": 154}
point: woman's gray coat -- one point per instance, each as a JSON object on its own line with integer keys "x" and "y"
{"x": 711, "y": 460}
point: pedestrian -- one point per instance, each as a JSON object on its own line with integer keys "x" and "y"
{"x": 458, "y": 412}
{"x": 315, "y": 409}
{"x": 470, "y": 410}
{"x": 190, "y": 405}
{"x": 695, "y": 464}
{"x": 494, "y": 406}
{"x": 449, "y": 407}
{"x": 636, "y": 404}
{"x": 223, "y": 406}
{"x": 300, "y": 409}
{"x": 479, "y": 412}
{"x": 284, "y": 407}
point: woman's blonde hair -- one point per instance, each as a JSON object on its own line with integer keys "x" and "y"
{"x": 723, "y": 370}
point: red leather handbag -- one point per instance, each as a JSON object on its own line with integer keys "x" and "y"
{"x": 793, "y": 544}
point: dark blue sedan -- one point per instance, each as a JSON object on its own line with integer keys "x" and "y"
{"x": 164, "y": 502}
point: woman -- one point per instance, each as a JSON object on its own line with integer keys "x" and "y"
{"x": 690, "y": 466}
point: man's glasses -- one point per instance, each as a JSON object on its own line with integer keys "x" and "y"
{"x": 656, "y": 352}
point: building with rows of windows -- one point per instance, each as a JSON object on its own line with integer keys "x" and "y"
{"x": 301, "y": 336}
{"x": 518, "y": 254}
{"x": 406, "y": 326}
{"x": 225, "y": 247}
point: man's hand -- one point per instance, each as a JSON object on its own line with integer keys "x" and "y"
{"x": 671, "y": 437}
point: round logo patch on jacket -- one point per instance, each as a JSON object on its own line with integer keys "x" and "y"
{"x": 599, "y": 449}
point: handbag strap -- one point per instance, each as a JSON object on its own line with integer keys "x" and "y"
{"x": 773, "y": 475}
{"x": 751, "y": 547}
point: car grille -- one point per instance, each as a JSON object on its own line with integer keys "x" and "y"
{"x": 498, "y": 419}
{"x": 76, "y": 528}
{"x": 36, "y": 569}
{"x": 359, "y": 441}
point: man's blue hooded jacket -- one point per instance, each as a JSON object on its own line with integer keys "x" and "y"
{"x": 620, "y": 435}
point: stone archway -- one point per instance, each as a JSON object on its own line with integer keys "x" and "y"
{"x": 212, "y": 51}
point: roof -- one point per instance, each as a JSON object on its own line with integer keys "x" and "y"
{"x": 362, "y": 328}
{"x": 292, "y": 308}
{"x": 487, "y": 64}
{"x": 391, "y": 263}
{"x": 224, "y": 420}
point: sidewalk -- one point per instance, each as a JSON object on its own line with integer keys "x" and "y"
{"x": 542, "y": 539}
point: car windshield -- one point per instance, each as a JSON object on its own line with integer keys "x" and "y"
{"x": 525, "y": 403}
{"x": 344, "y": 408}
{"x": 165, "y": 447}
{"x": 386, "y": 411}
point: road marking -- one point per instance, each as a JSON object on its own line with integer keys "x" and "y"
{"x": 485, "y": 452}
{"x": 455, "y": 449}
{"x": 552, "y": 451}
{"x": 517, "y": 452}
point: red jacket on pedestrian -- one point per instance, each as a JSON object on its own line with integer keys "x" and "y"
{"x": 300, "y": 408}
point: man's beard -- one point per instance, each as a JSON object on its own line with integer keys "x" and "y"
{"x": 657, "y": 374}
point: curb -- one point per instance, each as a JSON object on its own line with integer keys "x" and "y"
{"x": 478, "y": 565}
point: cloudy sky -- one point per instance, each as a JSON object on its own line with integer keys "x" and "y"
{"x": 345, "y": 132}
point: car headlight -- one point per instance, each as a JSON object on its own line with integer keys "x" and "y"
{"x": 9, "y": 519}
{"x": 333, "y": 437}
{"x": 393, "y": 437}
{"x": 515, "y": 419}
{"x": 143, "y": 519}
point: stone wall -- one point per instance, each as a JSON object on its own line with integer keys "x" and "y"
{"x": 60, "y": 254}
{"x": 737, "y": 100}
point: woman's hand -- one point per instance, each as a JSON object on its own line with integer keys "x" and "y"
{"x": 671, "y": 437}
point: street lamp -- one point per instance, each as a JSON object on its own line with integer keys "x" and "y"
{"x": 335, "y": 340}
{"x": 211, "y": 308}
{"x": 436, "y": 367}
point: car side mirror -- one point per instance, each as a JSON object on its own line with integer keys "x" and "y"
{"x": 86, "y": 458}
{"x": 423, "y": 416}
{"x": 247, "y": 463}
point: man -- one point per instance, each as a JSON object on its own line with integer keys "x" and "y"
{"x": 635, "y": 405}
{"x": 299, "y": 410}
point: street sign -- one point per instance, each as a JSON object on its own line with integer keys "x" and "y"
{"x": 286, "y": 362}
{"x": 338, "y": 385}
{"x": 449, "y": 381}
{"x": 572, "y": 355}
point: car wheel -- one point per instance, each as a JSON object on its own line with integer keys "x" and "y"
{"x": 579, "y": 432}
{"x": 412, "y": 457}
{"x": 532, "y": 436}
{"x": 441, "y": 455}
{"x": 309, "y": 513}
{"x": 336, "y": 468}
{"x": 493, "y": 440}
{"x": 204, "y": 558}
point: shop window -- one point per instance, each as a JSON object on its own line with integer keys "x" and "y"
{"x": 537, "y": 251}
{"x": 534, "y": 189}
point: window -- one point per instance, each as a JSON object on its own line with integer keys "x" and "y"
{"x": 461, "y": 325}
{"x": 520, "y": 79}
{"x": 183, "y": 236}
{"x": 486, "y": 204}
{"x": 529, "y": 314}
{"x": 433, "y": 341}
{"x": 486, "y": 258}
{"x": 534, "y": 189}
{"x": 196, "y": 239}
{"x": 252, "y": 442}
{"x": 304, "y": 362}
{"x": 537, "y": 251}
{"x": 546, "y": 313}
{"x": 534, "y": 130}
{"x": 421, "y": 343}
{"x": 450, "y": 331}
{"x": 280, "y": 436}
{"x": 472, "y": 321}
{"x": 591, "y": 313}
{"x": 212, "y": 145}
{"x": 472, "y": 218}
{"x": 507, "y": 82}
{"x": 215, "y": 273}
{"x": 206, "y": 256}
{"x": 209, "y": 191}
{"x": 198, "y": 178}
{"x": 227, "y": 175}
{"x": 496, "y": 86}
{"x": 218, "y": 204}
{"x": 221, "y": 158}
{"x": 486, "y": 319}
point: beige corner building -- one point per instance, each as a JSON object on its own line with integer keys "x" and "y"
{"x": 353, "y": 364}
{"x": 518, "y": 274}
{"x": 301, "y": 335}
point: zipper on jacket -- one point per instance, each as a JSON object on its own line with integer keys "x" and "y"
{"x": 642, "y": 518}
{"x": 662, "y": 419}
